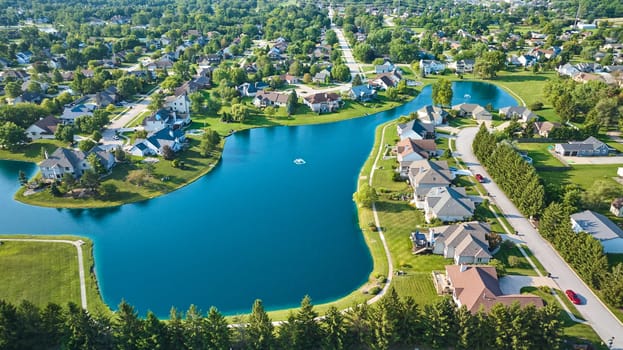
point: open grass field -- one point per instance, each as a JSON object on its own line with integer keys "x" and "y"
{"x": 43, "y": 273}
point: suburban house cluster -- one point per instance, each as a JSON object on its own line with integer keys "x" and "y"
{"x": 467, "y": 242}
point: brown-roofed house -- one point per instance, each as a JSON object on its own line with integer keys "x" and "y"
{"x": 409, "y": 150}
{"x": 543, "y": 128}
{"x": 323, "y": 102}
{"x": 478, "y": 287}
{"x": 43, "y": 128}
{"x": 270, "y": 98}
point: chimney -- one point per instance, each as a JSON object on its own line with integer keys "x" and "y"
{"x": 462, "y": 268}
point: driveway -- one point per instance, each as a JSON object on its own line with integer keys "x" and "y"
{"x": 594, "y": 160}
{"x": 512, "y": 284}
{"x": 597, "y": 314}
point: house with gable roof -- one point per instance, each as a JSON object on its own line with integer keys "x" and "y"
{"x": 601, "y": 228}
{"x": 425, "y": 175}
{"x": 74, "y": 162}
{"x": 522, "y": 113}
{"x": 591, "y": 147}
{"x": 465, "y": 243}
{"x": 478, "y": 287}
{"x": 409, "y": 150}
{"x": 472, "y": 110}
{"x": 362, "y": 93}
{"x": 432, "y": 115}
{"x": 270, "y": 98}
{"x": 416, "y": 129}
{"x": 448, "y": 204}
{"x": 323, "y": 102}
{"x": 155, "y": 142}
{"x": 72, "y": 112}
{"x": 43, "y": 128}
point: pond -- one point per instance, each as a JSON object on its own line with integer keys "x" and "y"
{"x": 257, "y": 226}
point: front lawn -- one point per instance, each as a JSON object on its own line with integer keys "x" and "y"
{"x": 522, "y": 266}
{"x": 582, "y": 175}
{"x": 31, "y": 152}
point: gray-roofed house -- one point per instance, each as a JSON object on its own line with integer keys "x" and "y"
{"x": 384, "y": 68}
{"x": 448, "y": 204}
{"x": 155, "y": 141}
{"x": 43, "y": 128}
{"x": 425, "y": 175}
{"x": 322, "y": 77}
{"x": 69, "y": 161}
{"x": 465, "y": 242}
{"x": 64, "y": 161}
{"x": 432, "y": 115}
{"x": 472, "y": 110}
{"x": 107, "y": 97}
{"x": 362, "y": 93}
{"x": 601, "y": 228}
{"x": 520, "y": 112}
{"x": 270, "y": 98}
{"x": 410, "y": 150}
{"x": 591, "y": 147}
{"x": 71, "y": 113}
{"x": 416, "y": 129}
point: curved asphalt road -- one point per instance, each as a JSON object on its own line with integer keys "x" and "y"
{"x": 598, "y": 316}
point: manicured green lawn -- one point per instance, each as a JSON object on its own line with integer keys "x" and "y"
{"x": 540, "y": 154}
{"x": 43, "y": 273}
{"x": 32, "y": 151}
{"x": 195, "y": 167}
{"x": 523, "y": 267}
{"x": 582, "y": 175}
{"x": 303, "y": 116}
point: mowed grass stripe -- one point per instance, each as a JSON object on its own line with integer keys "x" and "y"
{"x": 39, "y": 272}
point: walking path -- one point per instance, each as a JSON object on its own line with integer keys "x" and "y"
{"x": 605, "y": 324}
{"x": 390, "y": 264}
{"x": 78, "y": 244}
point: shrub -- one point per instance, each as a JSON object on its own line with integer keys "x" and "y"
{"x": 514, "y": 261}
{"x": 374, "y": 290}
{"x": 536, "y": 106}
{"x": 546, "y": 289}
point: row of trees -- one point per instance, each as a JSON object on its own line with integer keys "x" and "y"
{"x": 390, "y": 322}
{"x": 518, "y": 179}
{"x": 583, "y": 252}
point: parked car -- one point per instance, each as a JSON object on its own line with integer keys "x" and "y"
{"x": 573, "y": 297}
{"x": 451, "y": 168}
{"x": 479, "y": 178}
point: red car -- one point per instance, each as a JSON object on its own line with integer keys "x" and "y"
{"x": 479, "y": 178}
{"x": 572, "y": 296}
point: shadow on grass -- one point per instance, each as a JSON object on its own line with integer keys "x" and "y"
{"x": 389, "y": 206}
{"x": 520, "y": 78}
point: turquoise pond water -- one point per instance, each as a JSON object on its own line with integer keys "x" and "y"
{"x": 257, "y": 226}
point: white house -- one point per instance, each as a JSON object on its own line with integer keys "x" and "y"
{"x": 180, "y": 104}
{"x": 431, "y": 66}
{"x": 69, "y": 161}
{"x": 432, "y": 115}
{"x": 323, "y": 102}
{"x": 601, "y": 228}
{"x": 472, "y": 110}
{"x": 520, "y": 112}
{"x": 43, "y": 128}
{"x": 155, "y": 142}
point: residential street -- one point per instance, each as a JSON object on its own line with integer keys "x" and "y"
{"x": 600, "y": 318}
{"x": 347, "y": 52}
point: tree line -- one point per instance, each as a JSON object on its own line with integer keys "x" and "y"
{"x": 583, "y": 252}
{"x": 518, "y": 179}
{"x": 390, "y": 322}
